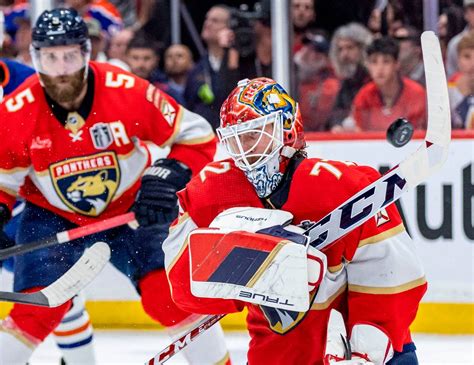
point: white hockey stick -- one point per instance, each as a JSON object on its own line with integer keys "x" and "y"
{"x": 412, "y": 171}
{"x": 415, "y": 169}
{"x": 72, "y": 282}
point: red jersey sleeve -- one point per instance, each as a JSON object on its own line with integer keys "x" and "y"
{"x": 385, "y": 278}
{"x": 168, "y": 124}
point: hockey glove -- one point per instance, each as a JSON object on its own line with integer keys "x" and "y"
{"x": 368, "y": 344}
{"x": 156, "y": 201}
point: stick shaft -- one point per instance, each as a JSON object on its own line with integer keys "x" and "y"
{"x": 69, "y": 235}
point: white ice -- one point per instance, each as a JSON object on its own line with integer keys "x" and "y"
{"x": 137, "y": 347}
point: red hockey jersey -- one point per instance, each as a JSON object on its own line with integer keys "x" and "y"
{"x": 89, "y": 168}
{"x": 373, "y": 276}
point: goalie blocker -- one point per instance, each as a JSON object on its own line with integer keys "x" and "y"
{"x": 255, "y": 259}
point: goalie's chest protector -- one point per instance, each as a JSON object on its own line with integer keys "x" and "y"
{"x": 219, "y": 186}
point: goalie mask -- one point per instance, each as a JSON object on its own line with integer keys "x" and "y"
{"x": 261, "y": 129}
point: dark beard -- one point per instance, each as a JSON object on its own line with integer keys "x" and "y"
{"x": 65, "y": 93}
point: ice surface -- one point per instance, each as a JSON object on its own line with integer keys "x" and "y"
{"x": 136, "y": 347}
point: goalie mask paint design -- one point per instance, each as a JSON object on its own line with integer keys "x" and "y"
{"x": 261, "y": 129}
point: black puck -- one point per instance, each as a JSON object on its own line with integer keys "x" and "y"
{"x": 400, "y": 132}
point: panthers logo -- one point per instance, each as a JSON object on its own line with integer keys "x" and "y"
{"x": 268, "y": 99}
{"x": 87, "y": 185}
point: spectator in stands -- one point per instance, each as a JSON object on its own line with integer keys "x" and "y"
{"x": 107, "y": 14}
{"x": 450, "y": 23}
{"x": 97, "y": 40}
{"x": 395, "y": 16}
{"x": 117, "y": 49}
{"x": 127, "y": 10}
{"x": 23, "y": 39}
{"x": 461, "y": 91}
{"x": 347, "y": 57}
{"x": 303, "y": 16}
{"x": 249, "y": 59}
{"x": 317, "y": 83}
{"x": 374, "y": 24}
{"x": 143, "y": 57}
{"x": 178, "y": 62}
{"x": 452, "y": 61}
{"x": 13, "y": 10}
{"x": 410, "y": 57}
{"x": 205, "y": 88}
{"x": 259, "y": 62}
{"x": 388, "y": 96}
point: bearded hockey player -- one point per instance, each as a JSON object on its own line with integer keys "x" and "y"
{"x": 232, "y": 237}
{"x": 74, "y": 148}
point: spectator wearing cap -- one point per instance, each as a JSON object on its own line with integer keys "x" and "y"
{"x": 97, "y": 40}
{"x": 461, "y": 90}
{"x": 410, "y": 57}
{"x": 388, "y": 96}
{"x": 317, "y": 82}
{"x": 347, "y": 53}
{"x": 452, "y": 59}
{"x": 303, "y": 15}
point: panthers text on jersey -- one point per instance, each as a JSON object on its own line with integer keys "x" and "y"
{"x": 88, "y": 163}
{"x": 373, "y": 273}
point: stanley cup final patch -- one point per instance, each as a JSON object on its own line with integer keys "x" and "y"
{"x": 87, "y": 184}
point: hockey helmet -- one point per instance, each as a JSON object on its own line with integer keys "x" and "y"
{"x": 261, "y": 129}
{"x": 60, "y": 27}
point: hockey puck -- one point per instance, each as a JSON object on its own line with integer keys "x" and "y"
{"x": 400, "y": 132}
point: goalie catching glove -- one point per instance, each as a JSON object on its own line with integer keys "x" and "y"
{"x": 253, "y": 255}
{"x": 156, "y": 201}
{"x": 368, "y": 344}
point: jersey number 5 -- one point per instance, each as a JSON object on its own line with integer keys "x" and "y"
{"x": 18, "y": 101}
{"x": 119, "y": 80}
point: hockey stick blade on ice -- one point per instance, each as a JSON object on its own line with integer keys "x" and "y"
{"x": 72, "y": 282}
{"x": 412, "y": 171}
{"x": 66, "y": 236}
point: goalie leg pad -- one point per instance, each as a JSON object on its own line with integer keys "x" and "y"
{"x": 156, "y": 299}
{"x": 38, "y": 322}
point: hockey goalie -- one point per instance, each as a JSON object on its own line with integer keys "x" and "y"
{"x": 238, "y": 243}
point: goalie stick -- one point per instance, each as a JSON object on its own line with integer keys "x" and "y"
{"x": 412, "y": 171}
{"x": 72, "y": 282}
{"x": 66, "y": 236}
